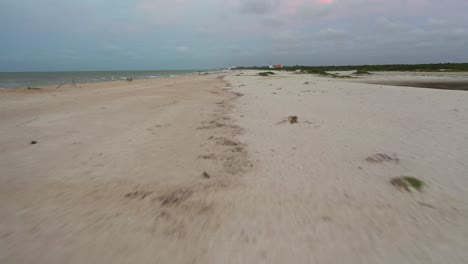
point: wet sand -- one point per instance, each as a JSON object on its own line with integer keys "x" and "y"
{"x": 432, "y": 80}
{"x": 462, "y": 86}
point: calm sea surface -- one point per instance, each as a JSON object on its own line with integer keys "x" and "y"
{"x": 40, "y": 79}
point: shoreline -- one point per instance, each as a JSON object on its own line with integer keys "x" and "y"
{"x": 89, "y": 77}
{"x": 118, "y": 83}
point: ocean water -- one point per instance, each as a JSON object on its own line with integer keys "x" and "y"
{"x": 40, "y": 79}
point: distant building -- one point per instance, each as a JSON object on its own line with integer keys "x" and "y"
{"x": 278, "y": 66}
{"x": 272, "y": 67}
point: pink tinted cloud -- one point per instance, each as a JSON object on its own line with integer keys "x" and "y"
{"x": 343, "y": 9}
{"x": 292, "y": 7}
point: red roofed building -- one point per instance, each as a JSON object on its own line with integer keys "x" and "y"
{"x": 278, "y": 66}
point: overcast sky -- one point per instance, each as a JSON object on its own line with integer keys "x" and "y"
{"x": 43, "y": 35}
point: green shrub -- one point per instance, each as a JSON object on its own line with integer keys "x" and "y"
{"x": 266, "y": 73}
{"x": 362, "y": 72}
{"x": 406, "y": 181}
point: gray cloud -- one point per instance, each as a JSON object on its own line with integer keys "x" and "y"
{"x": 183, "y": 49}
{"x": 258, "y": 6}
{"x": 156, "y": 34}
{"x": 435, "y": 23}
{"x": 332, "y": 34}
{"x": 388, "y": 26}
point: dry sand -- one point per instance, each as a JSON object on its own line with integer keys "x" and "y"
{"x": 208, "y": 170}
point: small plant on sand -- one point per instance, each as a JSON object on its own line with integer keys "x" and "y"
{"x": 292, "y": 119}
{"x": 341, "y": 76}
{"x": 266, "y": 73}
{"x": 206, "y": 175}
{"x": 415, "y": 183}
{"x": 362, "y": 72}
{"x": 327, "y": 74}
{"x": 406, "y": 182}
{"x": 319, "y": 72}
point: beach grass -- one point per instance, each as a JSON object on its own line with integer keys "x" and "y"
{"x": 266, "y": 73}
{"x": 414, "y": 182}
{"x": 434, "y": 67}
{"x": 405, "y": 182}
{"x": 327, "y": 74}
{"x": 362, "y": 72}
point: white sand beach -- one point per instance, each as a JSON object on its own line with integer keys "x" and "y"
{"x": 208, "y": 169}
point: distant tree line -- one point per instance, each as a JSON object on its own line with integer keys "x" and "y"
{"x": 365, "y": 68}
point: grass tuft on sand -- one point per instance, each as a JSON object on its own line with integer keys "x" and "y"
{"x": 292, "y": 119}
{"x": 405, "y": 182}
{"x": 266, "y": 73}
{"x": 330, "y": 75}
{"x": 362, "y": 72}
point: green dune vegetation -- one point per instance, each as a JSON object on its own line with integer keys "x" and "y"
{"x": 364, "y": 69}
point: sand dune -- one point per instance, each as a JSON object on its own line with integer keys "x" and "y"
{"x": 207, "y": 169}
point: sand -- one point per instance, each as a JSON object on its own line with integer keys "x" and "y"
{"x": 207, "y": 169}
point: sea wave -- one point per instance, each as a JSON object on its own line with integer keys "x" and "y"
{"x": 41, "y": 79}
